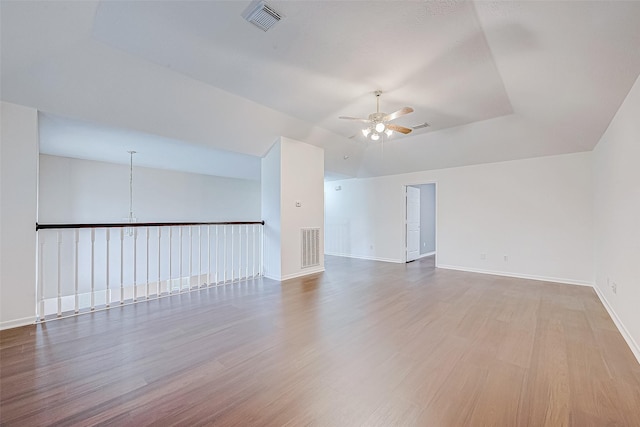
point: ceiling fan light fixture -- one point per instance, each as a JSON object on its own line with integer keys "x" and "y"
{"x": 378, "y": 123}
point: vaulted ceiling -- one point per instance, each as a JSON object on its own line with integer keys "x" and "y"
{"x": 495, "y": 80}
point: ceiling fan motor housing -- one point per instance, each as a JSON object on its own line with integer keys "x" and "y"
{"x": 376, "y": 117}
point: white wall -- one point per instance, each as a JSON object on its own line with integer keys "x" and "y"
{"x": 303, "y": 182}
{"x": 74, "y": 190}
{"x": 427, "y": 218}
{"x": 18, "y": 172}
{"x": 537, "y": 211}
{"x": 271, "y": 210}
{"x": 292, "y": 174}
{"x": 617, "y": 217}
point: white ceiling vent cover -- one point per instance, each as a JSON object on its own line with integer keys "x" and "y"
{"x": 261, "y": 15}
{"x": 421, "y": 126}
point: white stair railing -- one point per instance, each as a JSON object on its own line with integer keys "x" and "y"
{"x": 80, "y": 270}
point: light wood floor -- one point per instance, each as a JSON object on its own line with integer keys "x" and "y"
{"x": 365, "y": 343}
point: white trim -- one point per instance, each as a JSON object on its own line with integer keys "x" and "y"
{"x": 306, "y": 272}
{"x": 16, "y": 323}
{"x": 404, "y": 225}
{"x": 368, "y": 258}
{"x": 427, "y": 254}
{"x": 518, "y": 276}
{"x": 635, "y": 348}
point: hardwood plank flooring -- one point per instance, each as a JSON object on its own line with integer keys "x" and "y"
{"x": 365, "y": 343}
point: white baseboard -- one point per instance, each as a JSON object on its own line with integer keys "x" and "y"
{"x": 306, "y": 272}
{"x": 368, "y": 258}
{"x": 635, "y": 348}
{"x": 517, "y": 275}
{"x": 17, "y": 323}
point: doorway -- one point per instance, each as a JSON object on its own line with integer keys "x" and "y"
{"x": 420, "y": 221}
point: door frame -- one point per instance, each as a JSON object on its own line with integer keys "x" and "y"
{"x": 404, "y": 211}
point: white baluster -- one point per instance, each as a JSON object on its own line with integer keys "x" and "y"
{"x": 180, "y": 258}
{"x": 147, "y": 232}
{"x": 93, "y": 278}
{"x": 169, "y": 289}
{"x": 232, "y": 272}
{"x": 58, "y": 284}
{"x": 135, "y": 264}
{"x": 75, "y": 267}
{"x": 224, "y": 254}
{"x": 217, "y": 250}
{"x": 190, "y": 257}
{"x": 246, "y": 230}
{"x": 121, "y": 265}
{"x": 41, "y": 276}
{"x": 253, "y": 250}
{"x": 208, "y": 255}
{"x": 239, "y": 252}
{"x": 199, "y": 253}
{"x": 158, "y": 290}
{"x": 261, "y": 229}
{"x": 107, "y": 296}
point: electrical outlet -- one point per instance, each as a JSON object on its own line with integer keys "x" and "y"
{"x": 483, "y": 256}
{"x": 506, "y": 257}
{"x": 614, "y": 287}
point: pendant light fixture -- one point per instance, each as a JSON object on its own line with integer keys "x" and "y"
{"x": 131, "y": 218}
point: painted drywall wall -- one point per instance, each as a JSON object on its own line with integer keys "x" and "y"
{"x": 18, "y": 210}
{"x": 74, "y": 190}
{"x": 536, "y": 212}
{"x": 271, "y": 211}
{"x": 617, "y": 218}
{"x": 292, "y": 199}
{"x": 302, "y": 203}
{"x": 427, "y": 218}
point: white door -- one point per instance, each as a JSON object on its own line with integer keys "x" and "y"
{"x": 413, "y": 223}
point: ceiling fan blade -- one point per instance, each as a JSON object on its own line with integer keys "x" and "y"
{"x": 395, "y": 115}
{"x": 397, "y": 128}
{"x": 355, "y": 118}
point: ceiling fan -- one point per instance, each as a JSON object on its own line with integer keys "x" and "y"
{"x": 379, "y": 122}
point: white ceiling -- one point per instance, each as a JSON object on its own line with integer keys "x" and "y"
{"x": 496, "y": 80}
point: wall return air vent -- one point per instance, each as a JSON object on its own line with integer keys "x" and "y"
{"x": 261, "y": 15}
{"x": 310, "y": 240}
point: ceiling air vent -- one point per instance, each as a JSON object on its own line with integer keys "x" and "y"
{"x": 420, "y": 126}
{"x": 261, "y": 15}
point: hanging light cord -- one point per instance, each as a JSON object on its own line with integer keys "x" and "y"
{"x": 131, "y": 153}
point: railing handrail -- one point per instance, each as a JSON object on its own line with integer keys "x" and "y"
{"x": 140, "y": 224}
